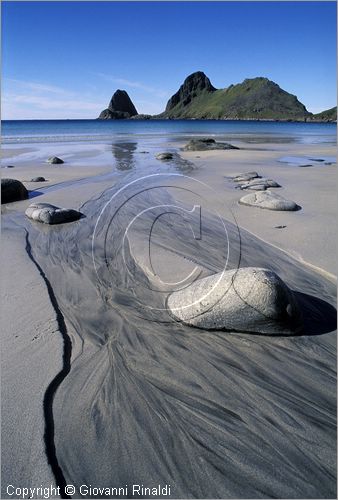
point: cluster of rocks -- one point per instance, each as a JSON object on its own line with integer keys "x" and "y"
{"x": 207, "y": 144}
{"x": 247, "y": 299}
{"x": 252, "y": 300}
{"x": 260, "y": 184}
{"x": 262, "y": 197}
{"x": 14, "y": 190}
{"x": 254, "y": 182}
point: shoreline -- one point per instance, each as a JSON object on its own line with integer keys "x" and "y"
{"x": 84, "y": 162}
{"x": 268, "y": 120}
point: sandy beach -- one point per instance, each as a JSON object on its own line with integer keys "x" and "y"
{"x": 132, "y": 396}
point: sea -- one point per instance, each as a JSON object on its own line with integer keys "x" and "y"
{"x": 37, "y": 131}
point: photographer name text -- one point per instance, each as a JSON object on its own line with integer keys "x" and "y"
{"x": 52, "y": 491}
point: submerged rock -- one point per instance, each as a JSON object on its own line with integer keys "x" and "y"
{"x": 268, "y": 200}
{"x": 249, "y": 299}
{"x": 164, "y": 156}
{"x": 50, "y": 214}
{"x": 38, "y": 179}
{"x": 54, "y": 160}
{"x": 207, "y": 145}
{"x": 12, "y": 190}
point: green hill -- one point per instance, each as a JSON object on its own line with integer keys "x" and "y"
{"x": 256, "y": 98}
{"x": 329, "y": 115}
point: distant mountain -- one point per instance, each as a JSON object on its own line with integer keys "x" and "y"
{"x": 255, "y": 98}
{"x": 120, "y": 107}
{"x": 329, "y": 115}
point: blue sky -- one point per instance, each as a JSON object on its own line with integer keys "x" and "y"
{"x": 65, "y": 59}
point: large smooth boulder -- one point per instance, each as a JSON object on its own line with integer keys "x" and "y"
{"x": 207, "y": 145}
{"x": 246, "y": 300}
{"x": 54, "y": 160}
{"x": 12, "y": 190}
{"x": 269, "y": 201}
{"x": 50, "y": 214}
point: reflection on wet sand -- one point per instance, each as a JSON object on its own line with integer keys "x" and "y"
{"x": 123, "y": 153}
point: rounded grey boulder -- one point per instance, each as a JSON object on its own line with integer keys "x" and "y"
{"x": 50, "y": 214}
{"x": 38, "y": 179}
{"x": 54, "y": 160}
{"x": 164, "y": 156}
{"x": 12, "y": 190}
{"x": 269, "y": 201}
{"x": 248, "y": 299}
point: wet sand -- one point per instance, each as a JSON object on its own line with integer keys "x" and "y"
{"x": 140, "y": 398}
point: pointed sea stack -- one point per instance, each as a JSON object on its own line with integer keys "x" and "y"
{"x": 120, "y": 107}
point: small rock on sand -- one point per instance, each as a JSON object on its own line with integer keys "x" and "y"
{"x": 246, "y": 176}
{"x": 50, "y": 214}
{"x": 12, "y": 190}
{"x": 207, "y": 145}
{"x": 54, "y": 160}
{"x": 269, "y": 201}
{"x": 164, "y": 156}
{"x": 248, "y": 299}
{"x": 38, "y": 179}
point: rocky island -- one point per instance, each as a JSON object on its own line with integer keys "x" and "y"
{"x": 253, "y": 99}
